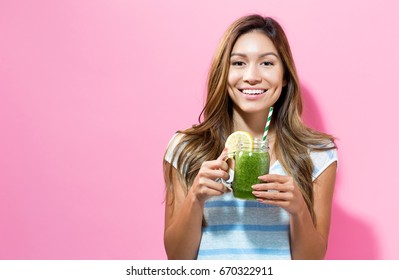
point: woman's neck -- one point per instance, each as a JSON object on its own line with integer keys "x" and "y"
{"x": 253, "y": 123}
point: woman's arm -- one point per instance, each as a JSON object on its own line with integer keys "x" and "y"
{"x": 307, "y": 240}
{"x": 184, "y": 213}
{"x": 183, "y": 221}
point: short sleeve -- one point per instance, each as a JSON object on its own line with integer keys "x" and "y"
{"x": 171, "y": 149}
{"x": 322, "y": 160}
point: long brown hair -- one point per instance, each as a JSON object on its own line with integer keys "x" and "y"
{"x": 205, "y": 141}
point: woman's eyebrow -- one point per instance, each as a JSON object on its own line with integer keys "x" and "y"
{"x": 261, "y": 55}
{"x": 269, "y": 53}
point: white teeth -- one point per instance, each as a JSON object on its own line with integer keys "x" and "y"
{"x": 253, "y": 91}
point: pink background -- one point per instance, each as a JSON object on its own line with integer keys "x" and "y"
{"x": 92, "y": 91}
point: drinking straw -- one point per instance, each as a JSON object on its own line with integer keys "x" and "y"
{"x": 269, "y": 117}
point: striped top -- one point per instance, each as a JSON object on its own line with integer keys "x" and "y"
{"x": 246, "y": 229}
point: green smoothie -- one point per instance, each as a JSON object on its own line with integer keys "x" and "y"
{"x": 249, "y": 165}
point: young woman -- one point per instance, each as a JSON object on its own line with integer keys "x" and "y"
{"x": 252, "y": 70}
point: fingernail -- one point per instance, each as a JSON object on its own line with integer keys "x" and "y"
{"x": 255, "y": 193}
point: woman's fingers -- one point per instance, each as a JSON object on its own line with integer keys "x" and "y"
{"x": 274, "y": 178}
{"x": 208, "y": 182}
{"x": 273, "y": 186}
{"x": 276, "y": 188}
{"x": 273, "y": 195}
{"x": 215, "y": 164}
{"x": 266, "y": 187}
{"x": 280, "y": 191}
{"x": 223, "y": 155}
{"x": 213, "y": 174}
{"x": 211, "y": 187}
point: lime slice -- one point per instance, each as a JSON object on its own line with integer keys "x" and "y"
{"x": 237, "y": 138}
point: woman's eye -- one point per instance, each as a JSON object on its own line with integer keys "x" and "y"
{"x": 267, "y": 63}
{"x": 237, "y": 63}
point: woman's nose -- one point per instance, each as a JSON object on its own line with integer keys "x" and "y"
{"x": 252, "y": 75}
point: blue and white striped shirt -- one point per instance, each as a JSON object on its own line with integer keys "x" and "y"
{"x": 246, "y": 229}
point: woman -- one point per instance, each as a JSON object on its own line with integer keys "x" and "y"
{"x": 252, "y": 70}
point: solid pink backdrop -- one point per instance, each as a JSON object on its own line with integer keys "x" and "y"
{"x": 92, "y": 91}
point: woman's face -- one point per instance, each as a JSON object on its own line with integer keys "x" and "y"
{"x": 256, "y": 73}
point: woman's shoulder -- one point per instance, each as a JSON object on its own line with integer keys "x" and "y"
{"x": 173, "y": 148}
{"x": 323, "y": 156}
{"x": 175, "y": 139}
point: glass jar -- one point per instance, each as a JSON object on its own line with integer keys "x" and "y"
{"x": 250, "y": 163}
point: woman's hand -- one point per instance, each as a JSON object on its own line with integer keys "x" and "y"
{"x": 281, "y": 191}
{"x": 204, "y": 185}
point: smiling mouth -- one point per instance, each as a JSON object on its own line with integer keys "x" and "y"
{"x": 253, "y": 91}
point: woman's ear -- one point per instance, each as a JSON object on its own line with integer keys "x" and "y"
{"x": 285, "y": 82}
